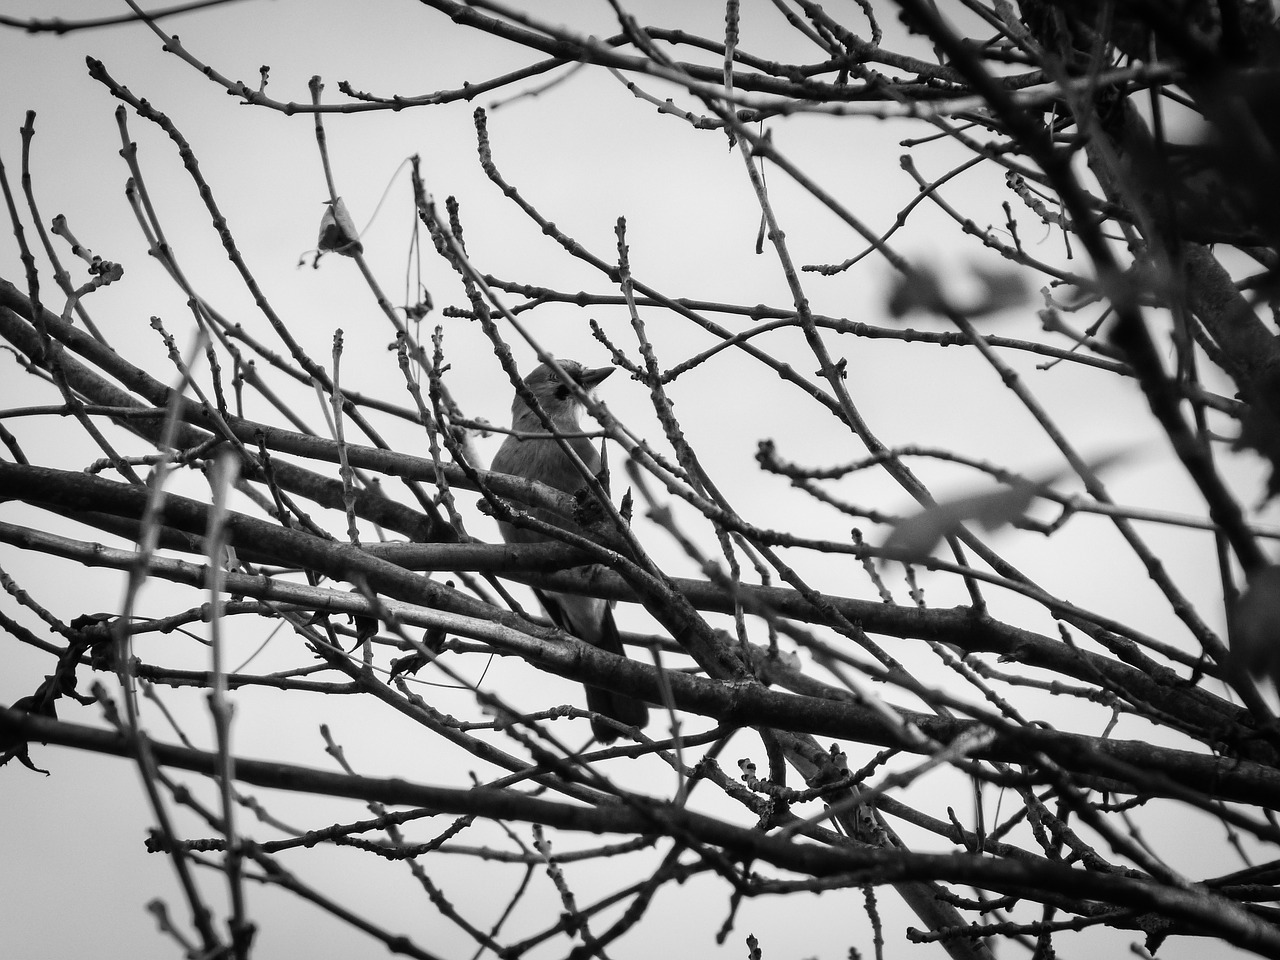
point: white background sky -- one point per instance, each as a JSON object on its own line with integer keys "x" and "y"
{"x": 586, "y": 152}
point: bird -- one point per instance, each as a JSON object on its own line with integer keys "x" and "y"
{"x": 542, "y": 458}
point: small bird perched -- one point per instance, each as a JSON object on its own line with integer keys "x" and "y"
{"x": 542, "y": 458}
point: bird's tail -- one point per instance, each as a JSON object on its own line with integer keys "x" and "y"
{"x": 592, "y": 620}
{"x": 617, "y": 706}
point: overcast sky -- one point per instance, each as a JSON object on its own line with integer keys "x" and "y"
{"x": 585, "y": 153}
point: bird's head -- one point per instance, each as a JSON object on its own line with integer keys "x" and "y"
{"x": 553, "y": 395}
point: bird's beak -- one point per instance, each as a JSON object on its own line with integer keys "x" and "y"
{"x": 593, "y": 375}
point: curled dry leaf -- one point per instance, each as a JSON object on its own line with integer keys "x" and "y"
{"x": 433, "y": 639}
{"x": 338, "y": 230}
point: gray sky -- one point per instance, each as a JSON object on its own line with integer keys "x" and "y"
{"x": 585, "y": 153}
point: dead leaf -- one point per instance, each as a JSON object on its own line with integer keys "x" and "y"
{"x": 338, "y": 230}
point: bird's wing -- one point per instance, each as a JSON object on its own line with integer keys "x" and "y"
{"x": 587, "y": 618}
